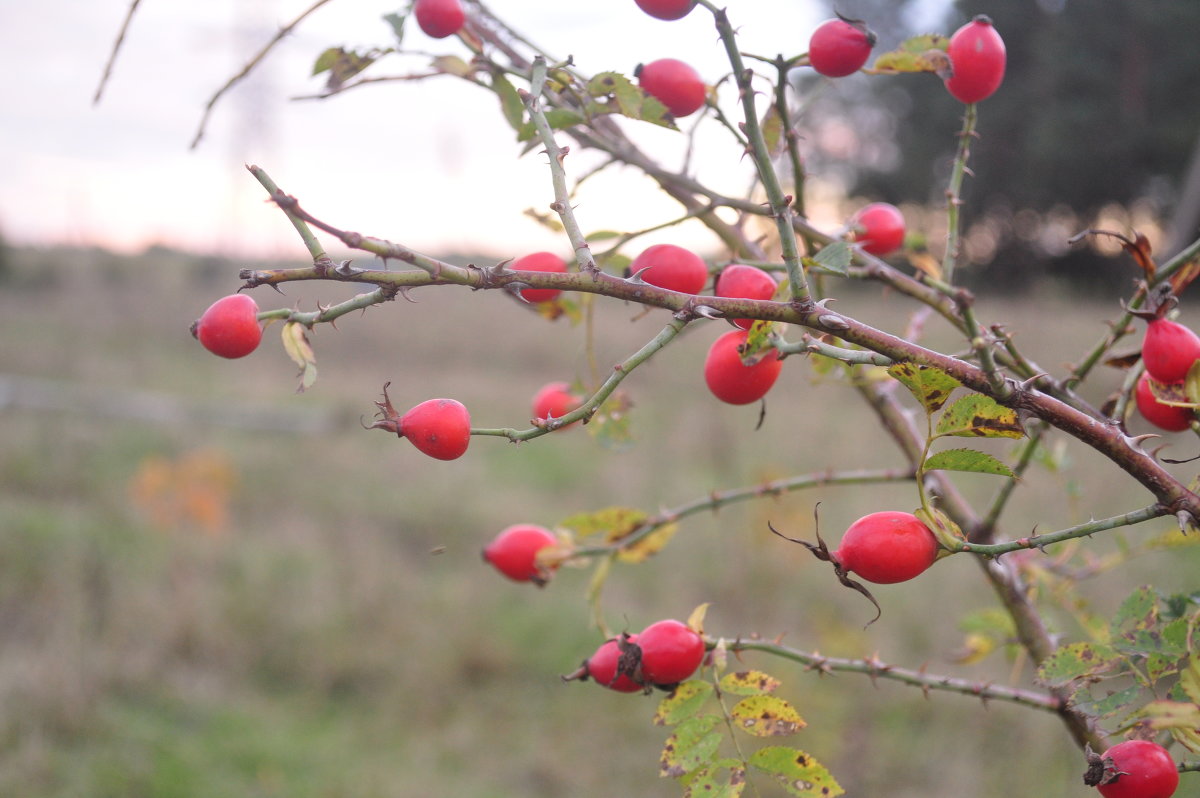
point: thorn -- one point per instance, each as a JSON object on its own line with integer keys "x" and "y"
{"x": 404, "y": 292}
{"x": 1137, "y": 440}
{"x": 708, "y": 312}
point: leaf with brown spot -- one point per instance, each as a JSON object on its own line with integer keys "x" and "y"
{"x": 748, "y": 683}
{"x": 979, "y": 416}
{"x": 693, "y": 744}
{"x": 1077, "y": 661}
{"x": 800, "y": 774}
{"x": 931, "y": 386}
{"x": 766, "y": 716}
{"x": 684, "y": 702}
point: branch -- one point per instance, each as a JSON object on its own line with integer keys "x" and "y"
{"x": 116, "y": 48}
{"x": 1082, "y": 530}
{"x": 875, "y": 669}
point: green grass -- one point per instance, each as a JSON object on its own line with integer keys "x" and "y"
{"x": 341, "y": 637}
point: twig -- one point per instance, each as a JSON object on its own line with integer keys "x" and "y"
{"x": 116, "y": 48}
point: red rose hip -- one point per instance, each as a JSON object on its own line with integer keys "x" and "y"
{"x": 439, "y": 18}
{"x": 879, "y": 228}
{"x": 666, "y": 9}
{"x": 539, "y": 262}
{"x": 1133, "y": 769}
{"x": 554, "y": 400}
{"x": 1166, "y": 417}
{"x": 887, "y": 547}
{"x": 606, "y": 668}
{"x": 514, "y": 551}
{"x": 739, "y": 281}
{"x": 840, "y": 47}
{"x": 671, "y": 267}
{"x": 977, "y": 59}
{"x": 731, "y": 380}
{"x": 671, "y": 652}
{"x": 229, "y": 327}
{"x": 1169, "y": 350}
{"x": 675, "y": 84}
{"x": 441, "y": 428}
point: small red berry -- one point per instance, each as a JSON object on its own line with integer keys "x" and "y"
{"x": 879, "y": 227}
{"x": 675, "y": 84}
{"x": 740, "y": 281}
{"x": 671, "y": 267}
{"x": 555, "y": 400}
{"x": 539, "y": 262}
{"x": 439, "y": 18}
{"x": 671, "y": 652}
{"x": 1134, "y": 769}
{"x": 731, "y": 380}
{"x": 229, "y": 327}
{"x": 666, "y": 9}
{"x": 607, "y": 670}
{"x": 513, "y": 552}
{"x": 1169, "y": 350}
{"x": 887, "y": 547}
{"x": 440, "y": 428}
{"x": 977, "y": 60}
{"x": 840, "y": 47}
{"x": 1163, "y": 416}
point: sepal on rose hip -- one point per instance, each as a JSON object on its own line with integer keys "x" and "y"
{"x": 821, "y": 551}
{"x": 440, "y": 428}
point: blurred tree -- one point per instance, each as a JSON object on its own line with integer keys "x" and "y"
{"x": 1095, "y": 123}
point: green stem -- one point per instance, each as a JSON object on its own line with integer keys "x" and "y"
{"x": 588, "y": 409}
{"x": 987, "y": 527}
{"x": 306, "y": 234}
{"x": 329, "y": 314}
{"x": 1082, "y": 530}
{"x": 954, "y": 193}
{"x": 720, "y": 499}
{"x": 875, "y": 669}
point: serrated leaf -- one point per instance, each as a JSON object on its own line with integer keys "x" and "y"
{"x": 967, "y": 460}
{"x": 628, "y": 99}
{"x": 772, "y": 129}
{"x": 1112, "y": 703}
{"x": 1077, "y": 661}
{"x": 295, "y": 343}
{"x": 723, "y": 781}
{"x": 924, "y": 53}
{"x": 452, "y": 65}
{"x": 748, "y": 683}
{"x": 684, "y": 702}
{"x": 766, "y": 716}
{"x": 397, "y": 23}
{"x": 835, "y": 257}
{"x": 1139, "y": 611}
{"x": 799, "y": 773}
{"x": 1170, "y": 715}
{"x": 931, "y": 386}
{"x": 557, "y": 118}
{"x": 611, "y": 426}
{"x": 511, "y": 104}
{"x": 693, "y": 744}
{"x": 613, "y": 522}
{"x": 979, "y": 416}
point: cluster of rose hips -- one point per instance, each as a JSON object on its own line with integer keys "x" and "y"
{"x": 1169, "y": 350}
{"x": 662, "y": 655}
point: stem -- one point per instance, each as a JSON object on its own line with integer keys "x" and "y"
{"x": 588, "y": 409}
{"x": 1082, "y": 530}
{"x": 333, "y": 312}
{"x": 779, "y": 204}
{"x": 719, "y": 499}
{"x": 954, "y": 193}
{"x": 306, "y": 234}
{"x": 876, "y": 669}
{"x": 987, "y": 527}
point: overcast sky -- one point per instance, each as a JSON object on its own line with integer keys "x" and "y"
{"x": 430, "y": 164}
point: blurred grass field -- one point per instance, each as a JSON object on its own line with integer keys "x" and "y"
{"x": 213, "y": 586}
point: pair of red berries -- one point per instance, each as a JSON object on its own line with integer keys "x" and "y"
{"x": 977, "y": 56}
{"x": 1133, "y": 769}
{"x": 662, "y": 655}
{"x": 1169, "y": 350}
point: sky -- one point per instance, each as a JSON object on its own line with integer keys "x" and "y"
{"x": 430, "y": 164}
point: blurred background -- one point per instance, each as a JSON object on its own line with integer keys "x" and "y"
{"x": 211, "y": 585}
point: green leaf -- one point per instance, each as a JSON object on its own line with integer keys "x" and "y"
{"x": 1077, "y": 661}
{"x": 602, "y": 235}
{"x": 759, "y": 341}
{"x": 611, "y": 426}
{"x": 1170, "y": 715}
{"x": 295, "y": 343}
{"x": 1189, "y": 678}
{"x": 344, "y": 64}
{"x": 931, "y": 386}
{"x": 616, "y": 524}
{"x": 979, "y": 416}
{"x": 723, "y": 781}
{"x": 693, "y": 745}
{"x": 748, "y": 683}
{"x": 510, "y": 102}
{"x": 799, "y": 773}
{"x": 557, "y": 118}
{"x": 766, "y": 716}
{"x": 771, "y": 126}
{"x": 452, "y": 65}
{"x": 627, "y": 98}
{"x": 683, "y": 702}
{"x": 326, "y": 60}
{"x": 967, "y": 460}
{"x": 397, "y": 23}
{"x": 835, "y": 257}
{"x": 925, "y": 53}
{"x": 1138, "y": 612}
{"x": 1113, "y": 703}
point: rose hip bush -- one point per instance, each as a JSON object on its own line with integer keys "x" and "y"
{"x": 1125, "y": 685}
